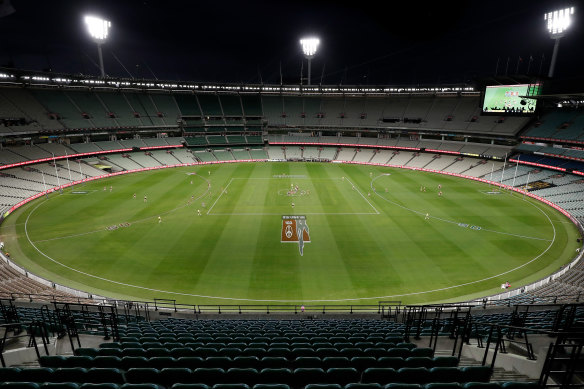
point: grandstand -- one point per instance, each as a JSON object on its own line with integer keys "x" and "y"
{"x": 79, "y": 134}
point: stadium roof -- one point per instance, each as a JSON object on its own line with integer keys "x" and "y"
{"x": 410, "y": 42}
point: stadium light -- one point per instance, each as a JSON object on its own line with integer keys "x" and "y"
{"x": 557, "y": 24}
{"x": 309, "y": 47}
{"x": 98, "y": 28}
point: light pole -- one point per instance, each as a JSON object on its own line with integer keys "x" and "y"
{"x": 309, "y": 47}
{"x": 557, "y": 24}
{"x": 98, "y": 28}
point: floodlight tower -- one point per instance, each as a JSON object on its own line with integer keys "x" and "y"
{"x": 557, "y": 24}
{"x": 309, "y": 47}
{"x": 98, "y": 28}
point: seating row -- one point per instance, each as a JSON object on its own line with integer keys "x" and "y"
{"x": 296, "y": 378}
{"x": 452, "y": 385}
{"x": 359, "y": 363}
{"x": 350, "y": 352}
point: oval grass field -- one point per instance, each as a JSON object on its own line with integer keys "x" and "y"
{"x": 374, "y": 234}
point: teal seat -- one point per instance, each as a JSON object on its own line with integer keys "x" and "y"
{"x": 422, "y": 352}
{"x": 342, "y": 375}
{"x": 134, "y": 352}
{"x": 104, "y": 375}
{"x": 107, "y": 361}
{"x": 392, "y": 362}
{"x": 189, "y": 362}
{"x": 19, "y": 385}
{"x": 426, "y": 362}
{"x": 142, "y": 375}
{"x": 482, "y": 385}
{"x": 335, "y": 362}
{"x": 271, "y": 386}
{"x": 176, "y": 375}
{"x": 231, "y": 386}
{"x": 161, "y": 362}
{"x": 275, "y": 376}
{"x": 70, "y": 374}
{"x": 413, "y": 375}
{"x": 220, "y": 362}
{"x": 37, "y": 374}
{"x": 476, "y": 374}
{"x": 190, "y": 386}
{"x": 246, "y": 375}
{"x": 86, "y": 351}
{"x": 402, "y": 386}
{"x": 379, "y": 375}
{"x": 304, "y": 376}
{"x": 209, "y": 376}
{"x": 127, "y": 363}
{"x": 358, "y": 385}
{"x": 246, "y": 361}
{"x": 59, "y": 385}
{"x": 323, "y": 386}
{"x": 99, "y": 386}
{"x": 52, "y": 361}
{"x": 443, "y": 385}
{"x": 274, "y": 362}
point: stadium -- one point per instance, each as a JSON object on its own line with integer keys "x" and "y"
{"x": 181, "y": 234}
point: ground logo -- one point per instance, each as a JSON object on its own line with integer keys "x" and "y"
{"x": 295, "y": 229}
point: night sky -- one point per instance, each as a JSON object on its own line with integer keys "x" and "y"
{"x": 362, "y": 41}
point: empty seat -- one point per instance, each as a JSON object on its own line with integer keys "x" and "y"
{"x": 52, "y": 361}
{"x": 380, "y": 375}
{"x": 330, "y": 362}
{"x": 274, "y": 362}
{"x": 189, "y": 362}
{"x": 106, "y": 361}
{"x": 209, "y": 375}
{"x": 413, "y": 375}
{"x": 275, "y": 376}
{"x": 70, "y": 374}
{"x": 246, "y": 374}
{"x": 446, "y": 374}
{"x": 104, "y": 375}
{"x": 142, "y": 375}
{"x": 39, "y": 374}
{"x": 476, "y": 374}
{"x": 306, "y": 375}
{"x": 176, "y": 375}
{"x": 342, "y": 375}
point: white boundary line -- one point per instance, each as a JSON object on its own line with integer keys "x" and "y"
{"x": 133, "y": 222}
{"x": 289, "y": 301}
{"x": 361, "y": 194}
{"x": 455, "y": 222}
{"x": 221, "y": 194}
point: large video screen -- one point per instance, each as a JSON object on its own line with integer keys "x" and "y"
{"x": 510, "y": 99}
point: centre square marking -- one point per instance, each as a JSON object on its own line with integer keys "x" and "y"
{"x": 295, "y": 230}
